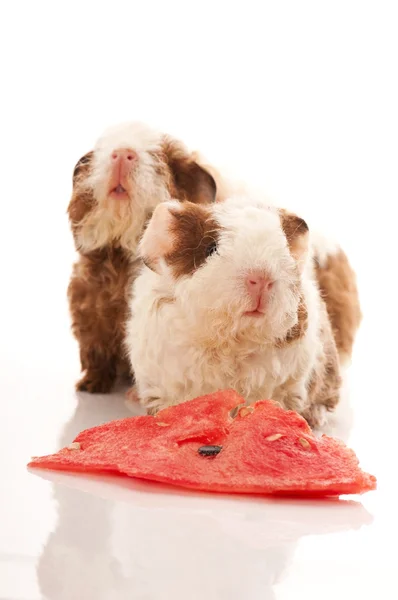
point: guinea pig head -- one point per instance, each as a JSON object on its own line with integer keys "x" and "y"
{"x": 117, "y": 186}
{"x": 236, "y": 267}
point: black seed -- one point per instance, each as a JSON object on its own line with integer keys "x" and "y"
{"x": 209, "y": 450}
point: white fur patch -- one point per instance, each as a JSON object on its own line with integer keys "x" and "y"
{"x": 323, "y": 247}
{"x": 128, "y": 135}
{"x": 123, "y": 222}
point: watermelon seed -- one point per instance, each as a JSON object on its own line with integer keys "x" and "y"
{"x": 162, "y": 424}
{"x": 305, "y": 443}
{"x": 234, "y": 412}
{"x": 246, "y": 410}
{"x": 74, "y": 446}
{"x": 274, "y": 437}
{"x": 209, "y": 450}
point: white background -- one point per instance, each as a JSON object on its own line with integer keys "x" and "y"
{"x": 299, "y": 97}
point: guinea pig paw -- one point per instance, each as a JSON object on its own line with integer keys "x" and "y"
{"x": 132, "y": 395}
{"x": 153, "y": 405}
{"x": 94, "y": 384}
{"x": 316, "y": 416}
{"x": 290, "y": 401}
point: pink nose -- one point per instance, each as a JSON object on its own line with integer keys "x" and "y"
{"x": 258, "y": 284}
{"x": 124, "y": 154}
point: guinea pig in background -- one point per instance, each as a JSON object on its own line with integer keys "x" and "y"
{"x": 116, "y": 187}
{"x": 229, "y": 299}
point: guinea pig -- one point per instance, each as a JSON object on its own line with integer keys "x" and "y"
{"x": 228, "y": 298}
{"x": 116, "y": 187}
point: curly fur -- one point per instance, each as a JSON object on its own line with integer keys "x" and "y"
{"x": 188, "y": 334}
{"x": 338, "y": 286}
{"x": 106, "y": 233}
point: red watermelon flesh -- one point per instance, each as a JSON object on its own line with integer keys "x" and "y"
{"x": 265, "y": 450}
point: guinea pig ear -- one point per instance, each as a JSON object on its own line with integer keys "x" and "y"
{"x": 82, "y": 200}
{"x": 157, "y": 241}
{"x": 83, "y": 166}
{"x": 297, "y": 234}
{"x": 194, "y": 183}
{"x": 190, "y": 181}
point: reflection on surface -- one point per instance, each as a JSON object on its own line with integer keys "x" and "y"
{"x": 119, "y": 538}
{"x": 77, "y": 562}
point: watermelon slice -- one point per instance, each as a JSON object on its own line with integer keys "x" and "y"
{"x": 198, "y": 444}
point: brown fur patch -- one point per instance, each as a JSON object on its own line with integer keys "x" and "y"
{"x": 325, "y": 382}
{"x": 297, "y": 331}
{"x": 97, "y": 296}
{"x": 194, "y": 233}
{"x": 83, "y": 166}
{"x": 189, "y": 180}
{"x": 296, "y": 232}
{"x": 337, "y": 283}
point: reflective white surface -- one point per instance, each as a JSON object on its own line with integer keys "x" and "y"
{"x": 66, "y": 537}
{"x": 301, "y": 97}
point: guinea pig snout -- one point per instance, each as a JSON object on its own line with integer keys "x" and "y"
{"x": 125, "y": 156}
{"x": 258, "y": 286}
{"x": 123, "y": 160}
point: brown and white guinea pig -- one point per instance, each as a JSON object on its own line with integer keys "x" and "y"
{"x": 116, "y": 187}
{"x": 229, "y": 299}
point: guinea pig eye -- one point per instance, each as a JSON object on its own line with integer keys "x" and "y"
{"x": 211, "y": 249}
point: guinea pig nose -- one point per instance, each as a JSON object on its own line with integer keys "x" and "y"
{"x": 258, "y": 282}
{"x": 125, "y": 154}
